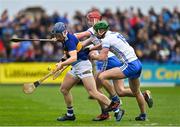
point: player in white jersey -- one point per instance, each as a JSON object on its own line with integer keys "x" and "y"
{"x": 131, "y": 68}
{"x": 92, "y": 18}
{"x": 113, "y": 61}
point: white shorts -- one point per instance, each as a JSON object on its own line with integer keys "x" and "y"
{"x": 82, "y": 69}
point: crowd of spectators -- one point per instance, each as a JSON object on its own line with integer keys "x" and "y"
{"x": 154, "y": 36}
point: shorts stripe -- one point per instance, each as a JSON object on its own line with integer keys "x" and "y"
{"x": 105, "y": 63}
{"x": 123, "y": 67}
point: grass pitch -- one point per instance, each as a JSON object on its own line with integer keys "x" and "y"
{"x": 43, "y": 107}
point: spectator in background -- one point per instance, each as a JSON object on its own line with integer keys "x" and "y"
{"x": 146, "y": 33}
{"x": 176, "y": 54}
{"x": 24, "y": 51}
{"x": 2, "y": 50}
{"x": 38, "y": 51}
{"x": 4, "y": 21}
{"x": 57, "y": 18}
{"x": 48, "y": 51}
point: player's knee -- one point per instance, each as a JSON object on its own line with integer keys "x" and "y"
{"x": 63, "y": 90}
{"x": 136, "y": 92}
{"x": 120, "y": 93}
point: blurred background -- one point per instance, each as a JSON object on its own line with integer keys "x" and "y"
{"x": 152, "y": 27}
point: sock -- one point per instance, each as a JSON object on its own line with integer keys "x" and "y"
{"x": 114, "y": 98}
{"x": 70, "y": 111}
{"x": 116, "y": 110}
{"x": 103, "y": 111}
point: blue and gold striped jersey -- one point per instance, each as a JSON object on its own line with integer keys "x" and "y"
{"x": 72, "y": 43}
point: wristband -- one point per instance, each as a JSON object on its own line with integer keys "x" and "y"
{"x": 63, "y": 59}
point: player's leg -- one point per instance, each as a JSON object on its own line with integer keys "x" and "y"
{"x": 104, "y": 114}
{"x": 91, "y": 89}
{"x": 65, "y": 87}
{"x": 111, "y": 63}
{"x": 90, "y": 85}
{"x": 121, "y": 90}
{"x": 135, "y": 87}
{"x": 133, "y": 72}
{"x": 108, "y": 86}
{"x": 83, "y": 70}
{"x": 126, "y": 92}
{"x": 114, "y": 62}
{"x": 114, "y": 73}
{"x": 110, "y": 89}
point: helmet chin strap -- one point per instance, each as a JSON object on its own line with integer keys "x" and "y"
{"x": 65, "y": 34}
{"x": 102, "y": 34}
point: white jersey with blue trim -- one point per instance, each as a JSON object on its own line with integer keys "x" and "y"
{"x": 97, "y": 41}
{"x": 119, "y": 46}
{"x": 91, "y": 30}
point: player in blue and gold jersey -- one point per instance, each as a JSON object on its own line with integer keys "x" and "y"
{"x": 81, "y": 69}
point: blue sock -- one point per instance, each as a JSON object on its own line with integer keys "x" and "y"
{"x": 70, "y": 111}
{"x": 114, "y": 98}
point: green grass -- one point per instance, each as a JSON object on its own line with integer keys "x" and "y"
{"x": 46, "y": 104}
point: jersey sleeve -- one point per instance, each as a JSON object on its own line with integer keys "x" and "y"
{"x": 106, "y": 43}
{"x": 90, "y": 30}
{"x": 95, "y": 40}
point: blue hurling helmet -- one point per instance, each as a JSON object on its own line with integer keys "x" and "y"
{"x": 59, "y": 27}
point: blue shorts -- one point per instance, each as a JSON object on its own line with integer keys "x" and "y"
{"x": 111, "y": 63}
{"x": 133, "y": 69}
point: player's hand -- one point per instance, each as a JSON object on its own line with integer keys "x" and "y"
{"x": 92, "y": 55}
{"x": 59, "y": 66}
{"x": 54, "y": 39}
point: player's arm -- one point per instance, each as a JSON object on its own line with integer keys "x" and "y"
{"x": 102, "y": 56}
{"x": 72, "y": 52}
{"x": 96, "y": 47}
{"x": 82, "y": 34}
{"x": 72, "y": 58}
{"x": 87, "y": 42}
{"x": 65, "y": 56}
